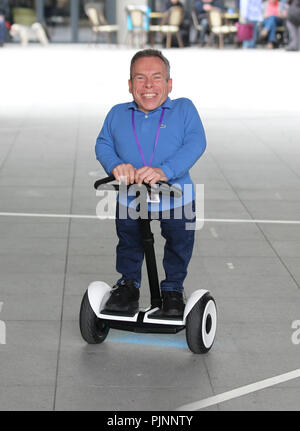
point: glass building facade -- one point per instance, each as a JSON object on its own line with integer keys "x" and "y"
{"x": 66, "y": 20}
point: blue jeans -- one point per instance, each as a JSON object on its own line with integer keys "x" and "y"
{"x": 177, "y": 252}
{"x": 252, "y": 42}
{"x": 204, "y": 27}
{"x": 2, "y": 29}
{"x": 270, "y": 24}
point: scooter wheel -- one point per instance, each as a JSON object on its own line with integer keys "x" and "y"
{"x": 201, "y": 325}
{"x": 93, "y": 329}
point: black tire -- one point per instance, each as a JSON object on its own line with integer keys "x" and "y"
{"x": 201, "y": 325}
{"x": 93, "y": 329}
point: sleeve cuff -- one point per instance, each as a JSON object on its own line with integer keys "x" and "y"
{"x": 167, "y": 171}
{"x": 113, "y": 165}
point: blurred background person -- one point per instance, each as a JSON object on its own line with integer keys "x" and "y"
{"x": 274, "y": 15}
{"x": 170, "y": 3}
{"x": 4, "y": 15}
{"x": 251, "y": 12}
{"x": 293, "y": 25}
{"x": 202, "y": 9}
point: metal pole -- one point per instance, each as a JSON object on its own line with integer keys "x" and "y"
{"x": 74, "y": 19}
{"x": 151, "y": 4}
{"x": 110, "y": 11}
{"x": 40, "y": 11}
{"x": 111, "y": 14}
{"x": 148, "y": 243}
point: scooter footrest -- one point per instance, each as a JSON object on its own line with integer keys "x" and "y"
{"x": 159, "y": 314}
{"x": 130, "y": 313}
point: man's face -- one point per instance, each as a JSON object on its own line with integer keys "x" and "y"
{"x": 149, "y": 84}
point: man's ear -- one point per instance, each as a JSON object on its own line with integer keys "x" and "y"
{"x": 170, "y": 85}
{"x": 130, "y": 86}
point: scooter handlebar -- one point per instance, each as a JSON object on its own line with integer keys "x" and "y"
{"x": 164, "y": 187}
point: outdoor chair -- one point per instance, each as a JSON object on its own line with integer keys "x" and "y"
{"x": 24, "y": 34}
{"x": 217, "y": 28}
{"x": 26, "y": 27}
{"x": 169, "y": 26}
{"x": 136, "y": 26}
{"x": 99, "y": 23}
{"x": 24, "y": 16}
{"x": 281, "y": 35}
{"x": 156, "y": 28}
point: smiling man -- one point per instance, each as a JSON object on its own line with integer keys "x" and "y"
{"x": 150, "y": 139}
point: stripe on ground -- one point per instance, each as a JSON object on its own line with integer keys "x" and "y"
{"x": 87, "y": 216}
{"x": 243, "y": 390}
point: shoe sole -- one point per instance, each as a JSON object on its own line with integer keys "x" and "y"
{"x": 172, "y": 313}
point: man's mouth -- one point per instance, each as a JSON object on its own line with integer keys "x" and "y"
{"x": 149, "y": 95}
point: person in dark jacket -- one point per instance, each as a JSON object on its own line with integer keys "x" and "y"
{"x": 171, "y": 3}
{"x": 202, "y": 9}
{"x": 4, "y": 13}
{"x": 293, "y": 25}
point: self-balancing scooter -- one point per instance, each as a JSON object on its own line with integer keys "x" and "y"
{"x": 199, "y": 317}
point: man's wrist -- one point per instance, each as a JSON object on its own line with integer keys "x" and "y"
{"x": 161, "y": 173}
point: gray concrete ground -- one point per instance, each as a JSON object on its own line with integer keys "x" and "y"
{"x": 52, "y": 106}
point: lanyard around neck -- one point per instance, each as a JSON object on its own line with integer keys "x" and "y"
{"x": 156, "y": 137}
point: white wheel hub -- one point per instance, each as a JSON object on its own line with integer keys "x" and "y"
{"x": 209, "y": 323}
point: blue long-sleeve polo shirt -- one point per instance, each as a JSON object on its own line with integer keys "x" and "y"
{"x": 180, "y": 144}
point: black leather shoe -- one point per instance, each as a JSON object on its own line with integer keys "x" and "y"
{"x": 173, "y": 304}
{"x": 124, "y": 297}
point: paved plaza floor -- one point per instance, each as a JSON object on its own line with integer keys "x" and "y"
{"x": 52, "y": 106}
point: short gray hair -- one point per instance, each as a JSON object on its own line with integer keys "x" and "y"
{"x": 150, "y": 53}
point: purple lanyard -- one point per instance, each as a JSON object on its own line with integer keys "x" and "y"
{"x": 156, "y": 137}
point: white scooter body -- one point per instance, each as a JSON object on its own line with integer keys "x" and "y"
{"x": 99, "y": 292}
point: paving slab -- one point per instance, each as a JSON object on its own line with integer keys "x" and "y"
{"x": 26, "y": 397}
{"x": 94, "y": 371}
{"x": 27, "y": 296}
{"x": 32, "y": 228}
{"x": 29, "y": 356}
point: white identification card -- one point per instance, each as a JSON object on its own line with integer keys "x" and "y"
{"x": 153, "y": 198}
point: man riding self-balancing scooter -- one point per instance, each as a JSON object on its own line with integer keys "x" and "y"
{"x": 150, "y": 144}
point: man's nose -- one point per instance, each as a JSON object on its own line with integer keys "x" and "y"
{"x": 148, "y": 82}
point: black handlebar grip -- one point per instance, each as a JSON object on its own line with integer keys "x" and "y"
{"x": 164, "y": 187}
